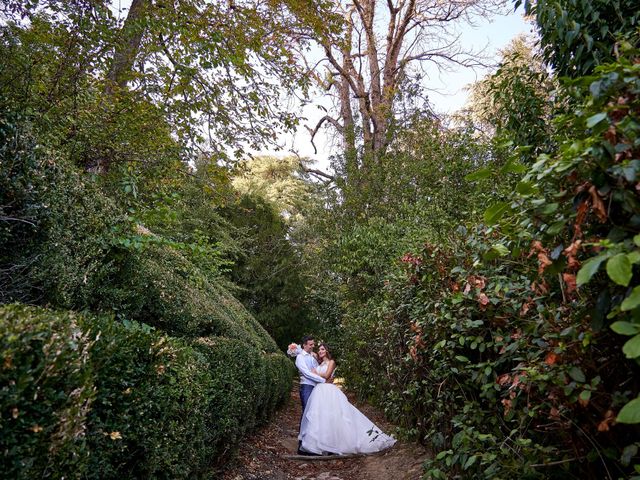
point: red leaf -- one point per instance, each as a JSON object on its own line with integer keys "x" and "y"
{"x": 609, "y": 419}
{"x": 571, "y": 252}
{"x": 597, "y": 204}
{"x": 507, "y": 405}
{"x": 570, "y": 281}
{"x": 551, "y": 358}
{"x": 543, "y": 262}
{"x": 526, "y": 306}
{"x": 483, "y": 300}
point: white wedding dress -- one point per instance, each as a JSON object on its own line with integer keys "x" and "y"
{"x": 331, "y": 425}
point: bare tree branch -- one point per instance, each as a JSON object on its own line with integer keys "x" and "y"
{"x": 314, "y": 131}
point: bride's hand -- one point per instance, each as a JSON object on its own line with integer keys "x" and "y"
{"x": 314, "y": 371}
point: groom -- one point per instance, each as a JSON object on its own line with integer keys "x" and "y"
{"x": 305, "y": 362}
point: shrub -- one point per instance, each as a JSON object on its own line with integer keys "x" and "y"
{"x": 88, "y": 397}
{"x": 46, "y": 393}
{"x": 248, "y": 386}
{"x": 150, "y": 415}
{"x": 511, "y": 365}
{"x": 159, "y": 286}
{"x": 54, "y": 224}
{"x": 60, "y": 247}
{"x": 498, "y": 375}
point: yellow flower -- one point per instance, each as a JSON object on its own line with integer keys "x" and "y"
{"x": 36, "y": 429}
{"x": 115, "y": 436}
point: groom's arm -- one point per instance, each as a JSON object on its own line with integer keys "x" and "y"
{"x": 304, "y": 370}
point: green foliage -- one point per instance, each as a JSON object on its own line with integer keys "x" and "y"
{"x": 578, "y": 218}
{"x": 46, "y": 74}
{"x": 420, "y": 177}
{"x": 46, "y": 394}
{"x": 276, "y": 180}
{"x": 493, "y": 346}
{"x": 76, "y": 252}
{"x": 268, "y": 270}
{"x": 597, "y": 165}
{"x": 105, "y": 207}
{"x": 71, "y": 63}
{"x": 513, "y": 105}
{"x": 579, "y": 35}
{"x": 159, "y": 286}
{"x": 148, "y": 404}
{"x": 93, "y": 398}
{"x": 55, "y": 224}
{"x": 469, "y": 353}
{"x": 150, "y": 417}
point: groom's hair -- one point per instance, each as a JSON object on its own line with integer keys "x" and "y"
{"x": 306, "y": 338}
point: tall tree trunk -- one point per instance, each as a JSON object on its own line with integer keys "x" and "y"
{"x": 125, "y": 52}
{"x": 371, "y": 66}
{"x": 129, "y": 44}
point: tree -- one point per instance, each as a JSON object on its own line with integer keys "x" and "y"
{"x": 381, "y": 47}
{"x": 278, "y": 181}
{"x": 268, "y": 270}
{"x": 214, "y": 70}
{"x": 515, "y": 103}
{"x": 578, "y": 35}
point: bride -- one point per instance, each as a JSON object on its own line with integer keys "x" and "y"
{"x": 331, "y": 425}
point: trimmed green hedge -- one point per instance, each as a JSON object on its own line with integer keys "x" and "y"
{"x": 65, "y": 252}
{"x": 87, "y": 397}
{"x": 163, "y": 385}
{"x": 55, "y": 232}
{"x": 46, "y": 390}
{"x": 159, "y": 286}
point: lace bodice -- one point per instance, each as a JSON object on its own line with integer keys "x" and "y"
{"x": 323, "y": 368}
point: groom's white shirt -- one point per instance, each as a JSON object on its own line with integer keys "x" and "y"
{"x": 305, "y": 362}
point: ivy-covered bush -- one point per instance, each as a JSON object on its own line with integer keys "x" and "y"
{"x": 121, "y": 397}
{"x": 157, "y": 285}
{"x": 88, "y": 397}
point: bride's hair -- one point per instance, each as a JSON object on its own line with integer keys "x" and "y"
{"x": 328, "y": 350}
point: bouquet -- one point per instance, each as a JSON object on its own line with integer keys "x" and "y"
{"x": 293, "y": 349}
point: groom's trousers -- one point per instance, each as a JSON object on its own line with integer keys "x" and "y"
{"x": 305, "y": 393}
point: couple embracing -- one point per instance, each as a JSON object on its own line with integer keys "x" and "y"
{"x": 330, "y": 424}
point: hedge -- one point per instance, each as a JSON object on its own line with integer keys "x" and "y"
{"x": 67, "y": 252}
{"x": 55, "y": 233}
{"x": 159, "y": 286}
{"x": 88, "y": 397}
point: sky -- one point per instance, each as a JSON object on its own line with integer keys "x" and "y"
{"x": 448, "y": 89}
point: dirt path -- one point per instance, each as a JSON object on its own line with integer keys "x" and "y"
{"x": 261, "y": 455}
